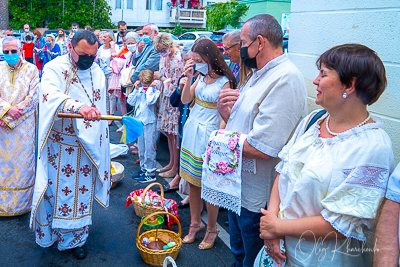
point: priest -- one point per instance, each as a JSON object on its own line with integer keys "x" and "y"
{"x": 19, "y": 85}
{"x": 73, "y": 165}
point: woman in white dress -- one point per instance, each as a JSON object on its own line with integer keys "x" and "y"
{"x": 332, "y": 176}
{"x": 203, "y": 119}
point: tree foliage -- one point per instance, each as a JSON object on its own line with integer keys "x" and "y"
{"x": 220, "y": 15}
{"x": 49, "y": 13}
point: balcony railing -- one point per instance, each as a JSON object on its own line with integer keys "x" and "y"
{"x": 194, "y": 16}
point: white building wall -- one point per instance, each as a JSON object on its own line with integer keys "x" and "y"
{"x": 319, "y": 25}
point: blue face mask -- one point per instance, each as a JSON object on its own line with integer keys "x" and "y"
{"x": 74, "y": 30}
{"x": 11, "y": 59}
{"x": 145, "y": 38}
{"x": 48, "y": 44}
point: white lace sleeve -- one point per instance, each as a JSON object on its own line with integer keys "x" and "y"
{"x": 353, "y": 198}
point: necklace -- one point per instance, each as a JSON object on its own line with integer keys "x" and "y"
{"x": 335, "y": 134}
{"x": 91, "y": 79}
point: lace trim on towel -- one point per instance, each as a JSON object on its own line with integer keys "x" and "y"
{"x": 249, "y": 165}
{"x": 221, "y": 199}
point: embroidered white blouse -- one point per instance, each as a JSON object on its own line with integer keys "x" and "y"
{"x": 341, "y": 178}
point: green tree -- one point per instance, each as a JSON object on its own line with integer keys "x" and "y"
{"x": 220, "y": 15}
{"x": 59, "y": 13}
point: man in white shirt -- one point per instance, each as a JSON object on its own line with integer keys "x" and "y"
{"x": 267, "y": 108}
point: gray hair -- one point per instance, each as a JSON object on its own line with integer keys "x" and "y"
{"x": 234, "y": 36}
{"x": 187, "y": 48}
{"x": 110, "y": 34}
{"x": 9, "y": 39}
{"x": 266, "y": 26}
{"x": 153, "y": 27}
{"x": 132, "y": 35}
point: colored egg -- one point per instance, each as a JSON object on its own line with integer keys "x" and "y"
{"x": 165, "y": 247}
{"x": 151, "y": 239}
{"x": 173, "y": 243}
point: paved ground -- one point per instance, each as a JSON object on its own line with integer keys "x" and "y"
{"x": 113, "y": 233}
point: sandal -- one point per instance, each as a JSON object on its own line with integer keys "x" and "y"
{"x": 209, "y": 245}
{"x": 163, "y": 170}
{"x": 187, "y": 239}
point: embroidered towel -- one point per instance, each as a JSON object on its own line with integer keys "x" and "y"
{"x": 221, "y": 182}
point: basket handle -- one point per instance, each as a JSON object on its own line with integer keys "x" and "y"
{"x": 159, "y": 213}
{"x": 147, "y": 189}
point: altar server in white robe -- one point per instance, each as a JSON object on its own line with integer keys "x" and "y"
{"x": 19, "y": 81}
{"x": 73, "y": 164}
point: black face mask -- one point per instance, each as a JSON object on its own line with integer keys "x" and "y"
{"x": 122, "y": 33}
{"x": 84, "y": 62}
{"x": 244, "y": 54}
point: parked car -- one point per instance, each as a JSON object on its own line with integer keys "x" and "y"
{"x": 217, "y": 37}
{"x": 55, "y": 33}
{"x": 190, "y": 37}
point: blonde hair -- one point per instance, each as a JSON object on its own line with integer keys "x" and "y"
{"x": 51, "y": 37}
{"x": 165, "y": 39}
{"x": 146, "y": 77}
{"x": 110, "y": 34}
{"x": 58, "y": 36}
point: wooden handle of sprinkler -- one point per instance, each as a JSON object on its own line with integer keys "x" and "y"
{"x": 79, "y": 116}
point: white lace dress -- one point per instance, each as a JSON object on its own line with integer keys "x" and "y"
{"x": 341, "y": 178}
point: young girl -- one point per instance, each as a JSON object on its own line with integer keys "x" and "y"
{"x": 144, "y": 99}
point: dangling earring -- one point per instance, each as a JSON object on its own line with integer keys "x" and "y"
{"x": 344, "y": 95}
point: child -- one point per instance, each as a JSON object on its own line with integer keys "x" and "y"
{"x": 144, "y": 99}
{"x": 28, "y": 49}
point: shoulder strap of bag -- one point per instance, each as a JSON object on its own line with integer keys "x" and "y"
{"x": 315, "y": 118}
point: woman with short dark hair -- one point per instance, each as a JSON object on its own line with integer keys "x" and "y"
{"x": 333, "y": 172}
{"x": 203, "y": 119}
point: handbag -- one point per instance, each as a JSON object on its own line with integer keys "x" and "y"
{"x": 125, "y": 79}
{"x": 40, "y": 53}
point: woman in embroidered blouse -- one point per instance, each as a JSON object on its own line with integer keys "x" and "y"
{"x": 332, "y": 176}
{"x": 203, "y": 119}
{"x": 51, "y": 50}
{"x": 171, "y": 68}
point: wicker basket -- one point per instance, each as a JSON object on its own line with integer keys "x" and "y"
{"x": 141, "y": 209}
{"x": 156, "y": 257}
{"x": 118, "y": 175}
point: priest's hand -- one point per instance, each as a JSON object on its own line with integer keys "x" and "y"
{"x": 90, "y": 113}
{"x": 2, "y": 124}
{"x": 15, "y": 113}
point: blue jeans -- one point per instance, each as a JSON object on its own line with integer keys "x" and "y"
{"x": 245, "y": 238}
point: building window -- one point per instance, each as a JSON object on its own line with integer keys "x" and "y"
{"x": 118, "y": 4}
{"x": 158, "y": 5}
{"x": 148, "y": 4}
{"x": 129, "y": 4}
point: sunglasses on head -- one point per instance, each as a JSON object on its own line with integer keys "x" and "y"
{"x": 8, "y": 51}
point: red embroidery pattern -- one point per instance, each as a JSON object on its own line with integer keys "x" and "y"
{"x": 74, "y": 80}
{"x": 65, "y": 74}
{"x": 69, "y": 150}
{"x": 83, "y": 189}
{"x": 52, "y": 158}
{"x": 57, "y": 137}
{"x": 105, "y": 175}
{"x": 101, "y": 137}
{"x": 64, "y": 210}
{"x": 47, "y": 198}
{"x": 68, "y": 170}
{"x": 85, "y": 170}
{"x": 66, "y": 191}
{"x": 83, "y": 208}
{"x": 107, "y": 133}
{"x": 58, "y": 234}
{"x": 87, "y": 124}
{"x": 45, "y": 97}
{"x": 70, "y": 128}
{"x": 39, "y": 232}
{"x": 96, "y": 95}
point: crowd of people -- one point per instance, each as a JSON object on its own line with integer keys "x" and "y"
{"x": 304, "y": 180}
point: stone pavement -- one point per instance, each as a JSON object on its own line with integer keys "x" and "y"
{"x": 112, "y": 239}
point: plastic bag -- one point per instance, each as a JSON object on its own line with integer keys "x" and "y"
{"x": 118, "y": 149}
{"x": 169, "y": 259}
{"x": 264, "y": 260}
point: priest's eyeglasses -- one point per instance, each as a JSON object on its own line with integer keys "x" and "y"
{"x": 6, "y": 52}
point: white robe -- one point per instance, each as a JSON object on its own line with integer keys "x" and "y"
{"x": 73, "y": 164}
{"x": 18, "y": 87}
